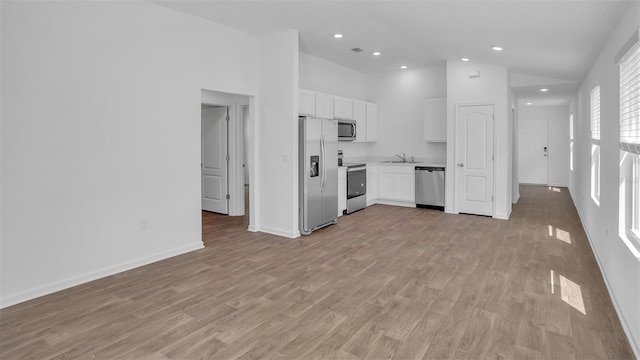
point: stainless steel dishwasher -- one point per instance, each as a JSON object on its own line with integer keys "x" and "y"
{"x": 430, "y": 187}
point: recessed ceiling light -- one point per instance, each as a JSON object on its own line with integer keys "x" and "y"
{"x": 403, "y": 67}
{"x": 529, "y": 103}
{"x": 376, "y": 53}
{"x": 464, "y": 59}
{"x": 544, "y": 89}
{"x": 496, "y": 48}
{"x": 337, "y": 36}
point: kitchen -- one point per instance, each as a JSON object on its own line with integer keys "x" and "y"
{"x": 329, "y": 122}
{"x": 398, "y": 120}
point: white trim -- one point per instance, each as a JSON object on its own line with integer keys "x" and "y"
{"x": 95, "y": 275}
{"x": 515, "y": 201}
{"x": 236, "y": 171}
{"x": 395, "y": 203}
{"x": 279, "y": 232}
{"x": 634, "y": 346}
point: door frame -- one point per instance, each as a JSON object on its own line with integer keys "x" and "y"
{"x": 235, "y": 143}
{"x": 456, "y": 172}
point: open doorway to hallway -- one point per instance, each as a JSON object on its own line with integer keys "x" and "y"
{"x": 226, "y": 159}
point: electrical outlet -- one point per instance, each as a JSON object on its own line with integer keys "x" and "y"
{"x": 143, "y": 225}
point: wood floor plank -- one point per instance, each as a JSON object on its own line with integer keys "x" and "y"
{"x": 385, "y": 282}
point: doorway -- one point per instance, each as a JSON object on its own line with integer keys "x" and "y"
{"x": 226, "y": 145}
{"x": 474, "y": 159}
{"x": 533, "y": 151}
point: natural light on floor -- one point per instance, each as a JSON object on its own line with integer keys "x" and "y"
{"x": 555, "y": 189}
{"x": 570, "y": 292}
{"x": 560, "y": 234}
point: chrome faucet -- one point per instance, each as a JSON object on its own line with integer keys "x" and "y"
{"x": 403, "y": 157}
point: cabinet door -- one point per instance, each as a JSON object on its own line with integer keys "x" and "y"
{"x": 324, "y": 106}
{"x": 435, "y": 119}
{"x": 386, "y": 185}
{"x": 306, "y": 103}
{"x": 342, "y": 108}
{"x": 372, "y": 184}
{"x": 360, "y": 116}
{"x": 429, "y": 119}
{"x": 342, "y": 192}
{"x": 372, "y": 122}
{"x": 441, "y": 122}
{"x": 405, "y": 187}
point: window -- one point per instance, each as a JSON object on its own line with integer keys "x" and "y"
{"x": 635, "y": 204}
{"x": 630, "y": 101}
{"x": 629, "y": 61}
{"x": 595, "y": 147}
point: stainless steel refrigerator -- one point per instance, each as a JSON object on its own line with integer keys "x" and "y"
{"x": 318, "y": 173}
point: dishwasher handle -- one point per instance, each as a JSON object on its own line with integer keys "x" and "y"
{"x": 429, "y": 168}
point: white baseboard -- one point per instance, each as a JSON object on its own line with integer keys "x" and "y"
{"x": 634, "y": 346}
{"x": 94, "y": 275}
{"x": 279, "y": 232}
{"x": 252, "y": 228}
{"x": 395, "y": 203}
{"x": 515, "y": 201}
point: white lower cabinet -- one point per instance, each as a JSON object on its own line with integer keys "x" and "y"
{"x": 396, "y": 185}
{"x": 342, "y": 190}
{"x": 372, "y": 184}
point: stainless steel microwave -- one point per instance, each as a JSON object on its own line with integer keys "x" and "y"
{"x": 346, "y": 130}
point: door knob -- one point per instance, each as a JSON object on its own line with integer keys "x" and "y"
{"x": 460, "y": 164}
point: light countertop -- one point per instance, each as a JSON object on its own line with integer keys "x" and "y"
{"x": 436, "y": 162}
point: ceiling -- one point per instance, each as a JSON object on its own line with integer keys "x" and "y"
{"x": 546, "y": 43}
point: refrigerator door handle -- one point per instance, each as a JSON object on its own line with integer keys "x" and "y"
{"x": 322, "y": 160}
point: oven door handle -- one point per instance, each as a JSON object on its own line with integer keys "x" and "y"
{"x": 356, "y": 168}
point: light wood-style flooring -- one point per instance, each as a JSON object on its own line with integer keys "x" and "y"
{"x": 384, "y": 283}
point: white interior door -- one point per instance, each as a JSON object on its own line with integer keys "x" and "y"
{"x": 474, "y": 160}
{"x": 214, "y": 159}
{"x": 533, "y": 152}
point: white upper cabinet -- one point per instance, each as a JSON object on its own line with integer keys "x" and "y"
{"x": 324, "y": 106}
{"x": 342, "y": 108}
{"x": 360, "y": 116}
{"x": 372, "y": 121}
{"x": 306, "y": 102}
{"x": 435, "y": 119}
{"x": 311, "y": 103}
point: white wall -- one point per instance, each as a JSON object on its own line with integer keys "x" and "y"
{"x": 101, "y": 136}
{"x": 490, "y": 88}
{"x": 399, "y": 95}
{"x": 318, "y": 74}
{"x": 558, "y": 140}
{"x": 277, "y": 129}
{"x": 619, "y": 262}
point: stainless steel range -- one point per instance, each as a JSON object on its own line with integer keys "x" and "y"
{"x": 356, "y": 187}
